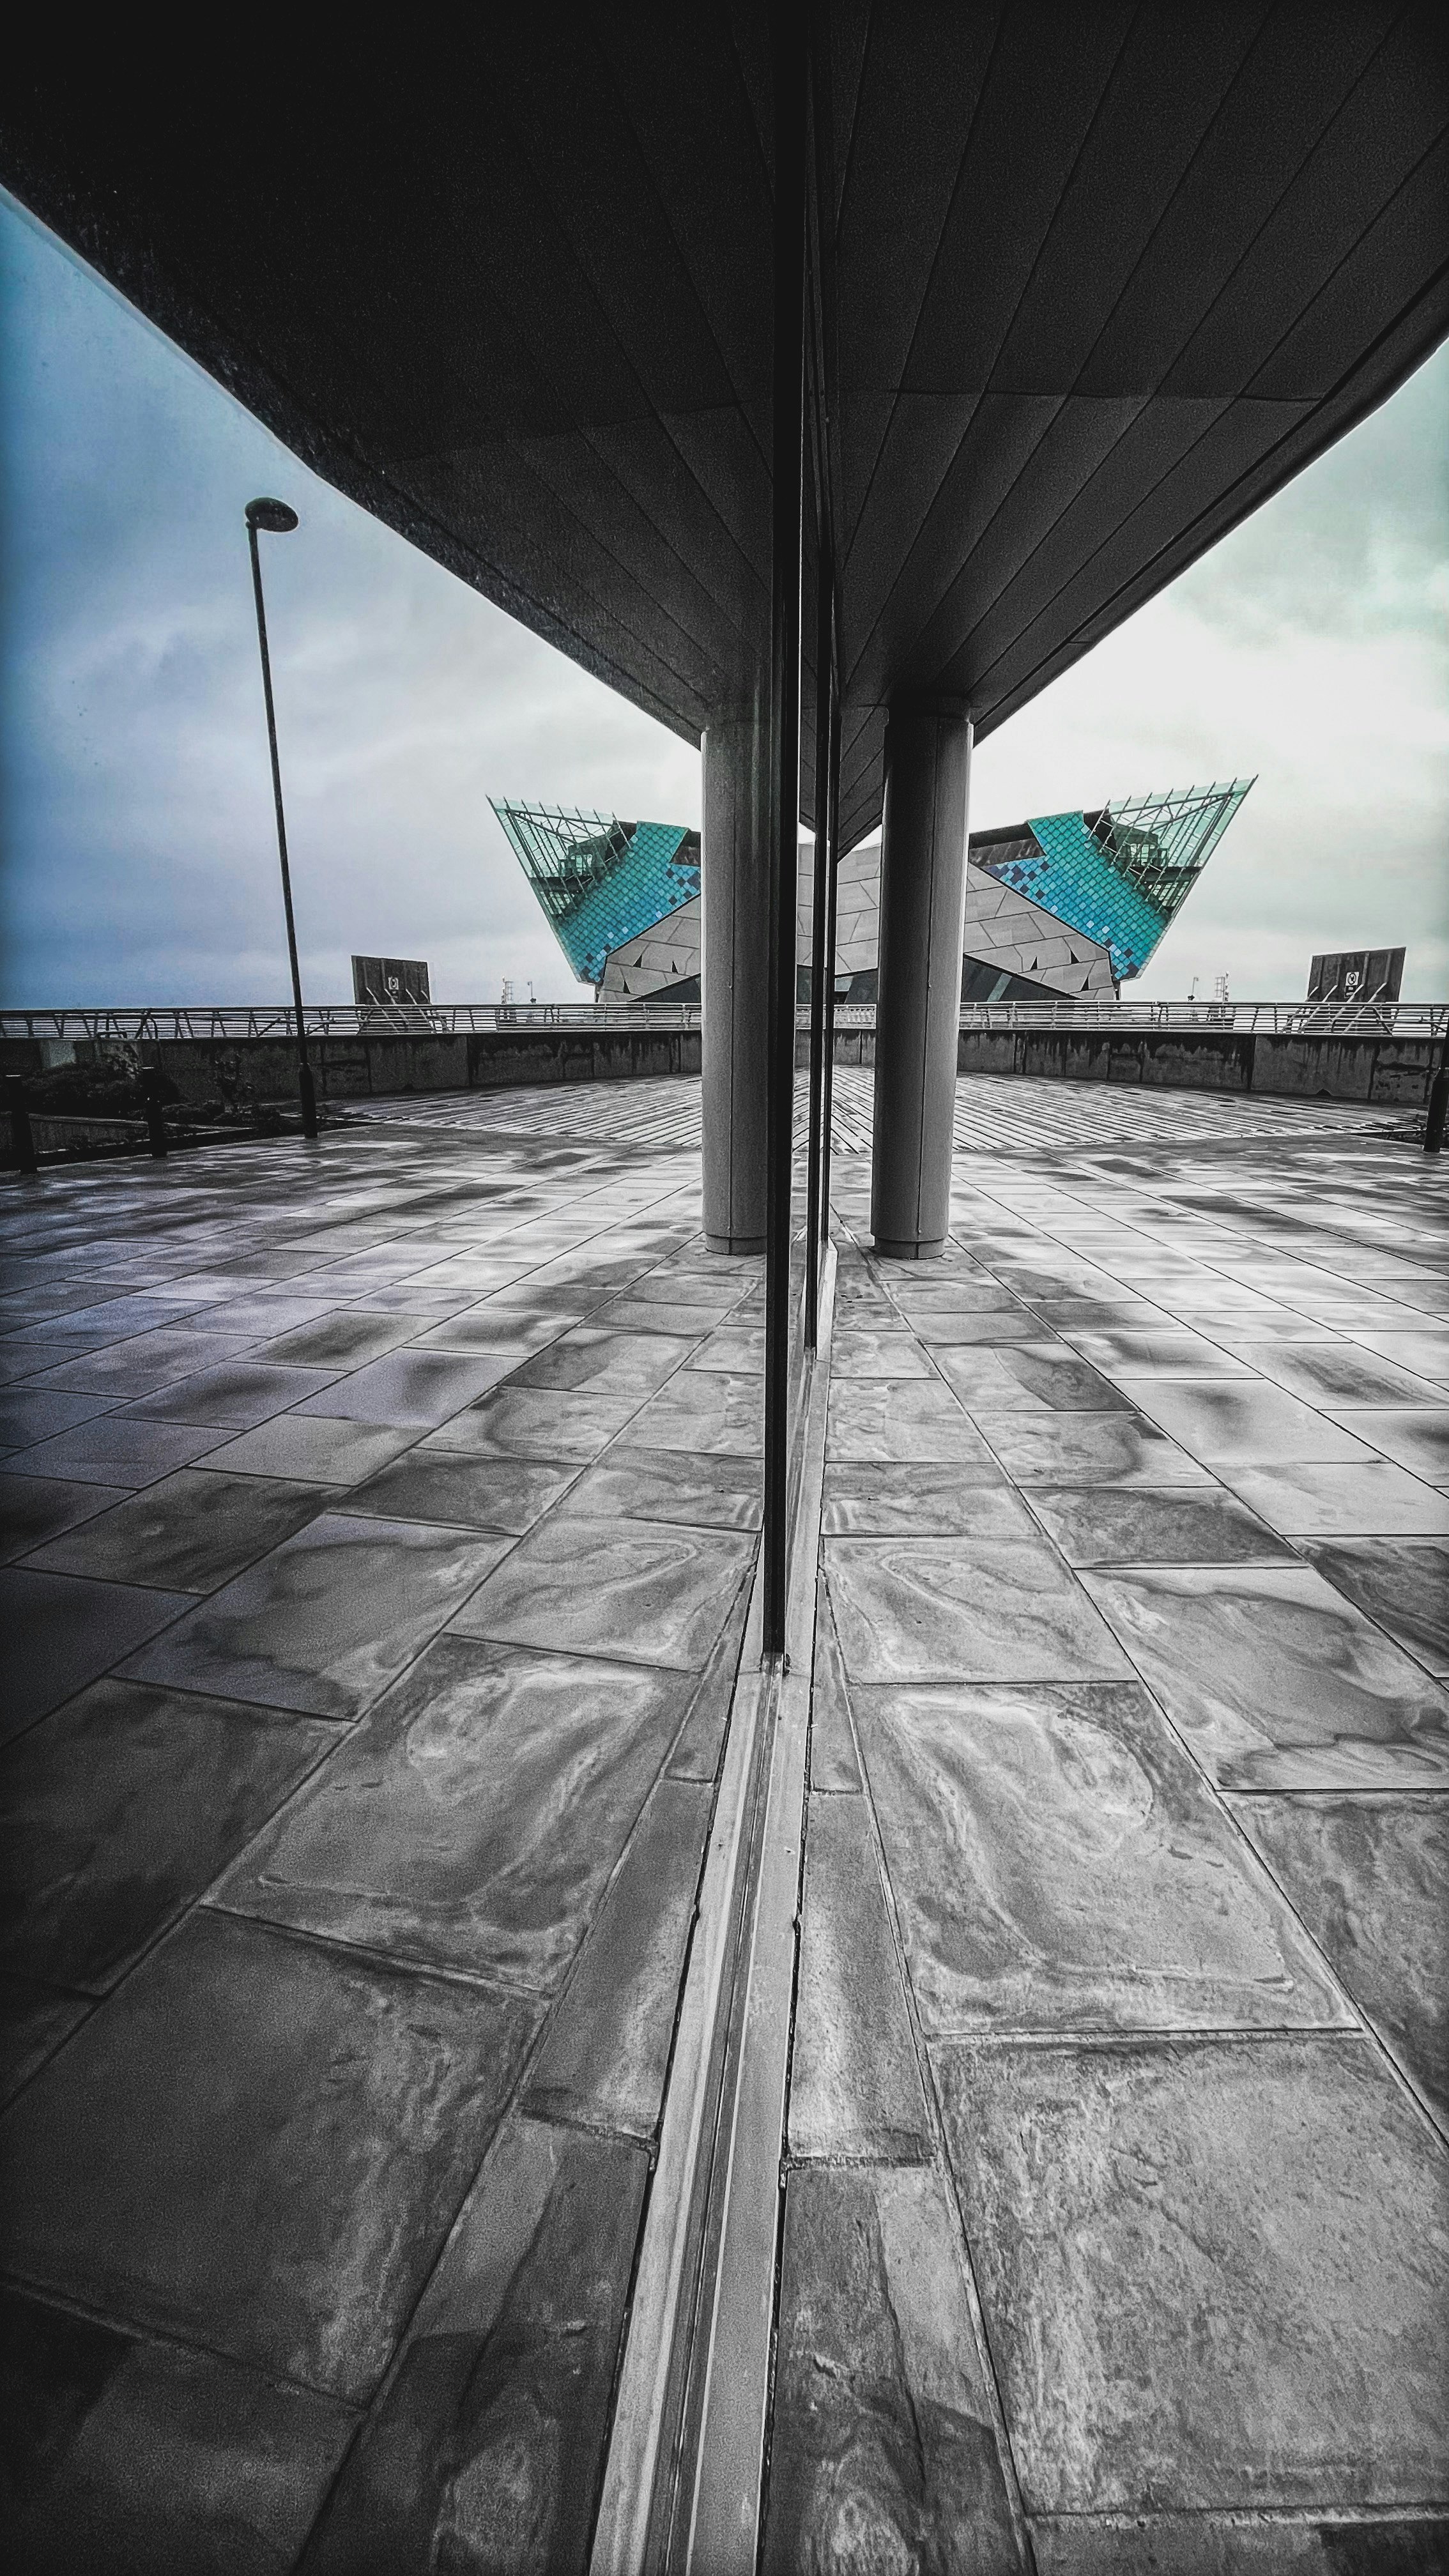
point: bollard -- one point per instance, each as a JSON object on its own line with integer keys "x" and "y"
{"x": 307, "y": 1091}
{"x": 151, "y": 1087}
{"x": 22, "y": 1140}
{"x": 1438, "y": 1105}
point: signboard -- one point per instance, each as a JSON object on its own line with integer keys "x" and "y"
{"x": 1357, "y": 975}
{"x": 391, "y": 980}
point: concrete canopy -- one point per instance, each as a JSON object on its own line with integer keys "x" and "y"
{"x": 1104, "y": 277}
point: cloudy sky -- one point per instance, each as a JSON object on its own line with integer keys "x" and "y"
{"x": 140, "y": 861}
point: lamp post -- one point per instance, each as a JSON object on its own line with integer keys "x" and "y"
{"x": 279, "y": 521}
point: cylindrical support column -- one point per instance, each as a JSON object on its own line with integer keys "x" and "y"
{"x": 918, "y": 1006}
{"x": 735, "y": 982}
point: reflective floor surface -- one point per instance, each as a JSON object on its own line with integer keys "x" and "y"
{"x": 378, "y": 1524}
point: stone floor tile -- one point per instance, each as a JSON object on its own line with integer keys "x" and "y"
{"x": 1417, "y": 1436}
{"x": 259, "y": 2145}
{"x": 1403, "y": 1583}
{"x": 957, "y": 1297}
{"x": 1029, "y": 1377}
{"x": 882, "y": 2445}
{"x": 231, "y": 1399}
{"x": 36, "y": 1508}
{"x": 719, "y": 1285}
{"x": 265, "y": 1312}
{"x": 963, "y": 1498}
{"x": 855, "y": 2087}
{"x": 121, "y": 1809}
{"x": 21, "y": 1360}
{"x": 341, "y": 1340}
{"x": 34, "y": 2020}
{"x": 61, "y": 1631}
{"x": 410, "y": 1389}
{"x": 652, "y": 1593}
{"x": 1125, "y": 1351}
{"x": 327, "y": 1620}
{"x": 710, "y": 1411}
{"x": 946, "y": 1610}
{"x": 489, "y": 1330}
{"x": 124, "y": 1370}
{"x": 641, "y": 1314}
{"x": 31, "y": 1414}
{"x": 707, "y": 1492}
{"x": 943, "y": 1328}
{"x": 469, "y": 1493}
{"x": 190, "y": 1533}
{"x": 531, "y": 1422}
{"x": 861, "y": 1351}
{"x": 606, "y": 2051}
{"x": 312, "y": 1450}
{"x": 34, "y": 1302}
{"x": 736, "y": 1349}
{"x": 1276, "y": 1680}
{"x": 1192, "y": 2298}
{"x": 109, "y": 1321}
{"x": 1058, "y": 1864}
{"x": 1369, "y": 1874}
{"x": 1079, "y": 1314}
{"x": 1368, "y": 1498}
{"x": 833, "y": 1763}
{"x": 907, "y": 1419}
{"x": 116, "y": 1449}
{"x": 1231, "y": 1424}
{"x": 1342, "y": 1375}
{"x": 1116, "y": 1525}
{"x": 488, "y": 2449}
{"x": 118, "y": 2424}
{"x": 474, "y": 1818}
{"x": 608, "y": 1364}
{"x": 1087, "y": 1449}
{"x": 1423, "y": 1352}
{"x": 696, "y": 1755}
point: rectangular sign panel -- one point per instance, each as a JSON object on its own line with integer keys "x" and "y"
{"x": 390, "y": 979}
{"x": 1357, "y": 975}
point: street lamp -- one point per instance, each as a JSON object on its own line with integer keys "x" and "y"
{"x": 279, "y": 521}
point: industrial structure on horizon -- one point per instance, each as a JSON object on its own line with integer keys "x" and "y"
{"x": 1065, "y": 904}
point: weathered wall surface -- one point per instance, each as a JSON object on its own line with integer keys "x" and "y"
{"x": 362, "y": 1068}
{"x": 1392, "y": 1070}
{"x": 1369, "y": 1068}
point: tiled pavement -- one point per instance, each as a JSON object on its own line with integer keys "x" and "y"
{"x": 378, "y": 1526}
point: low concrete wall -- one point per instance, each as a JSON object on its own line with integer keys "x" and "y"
{"x": 1396, "y": 1071}
{"x": 371, "y": 1067}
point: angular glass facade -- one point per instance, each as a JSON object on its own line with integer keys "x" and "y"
{"x": 1118, "y": 875}
{"x": 1066, "y": 904}
{"x": 600, "y": 881}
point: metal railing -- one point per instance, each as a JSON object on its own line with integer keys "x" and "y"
{"x": 455, "y": 1019}
{"x": 334, "y": 1020}
{"x": 1294, "y": 1019}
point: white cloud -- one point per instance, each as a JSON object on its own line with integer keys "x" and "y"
{"x": 1309, "y": 647}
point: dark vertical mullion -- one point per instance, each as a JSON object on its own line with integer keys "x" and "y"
{"x": 828, "y": 811}
{"x": 787, "y": 460}
{"x": 822, "y": 963}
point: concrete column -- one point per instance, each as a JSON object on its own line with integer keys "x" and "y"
{"x": 922, "y": 904}
{"x": 734, "y": 982}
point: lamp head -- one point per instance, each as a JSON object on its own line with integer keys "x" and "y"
{"x": 274, "y": 516}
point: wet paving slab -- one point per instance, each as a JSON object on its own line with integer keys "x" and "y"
{"x": 1213, "y": 2275}
{"x": 474, "y": 1819}
{"x": 363, "y": 1781}
{"x": 1059, "y": 1863}
{"x": 1368, "y": 1875}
